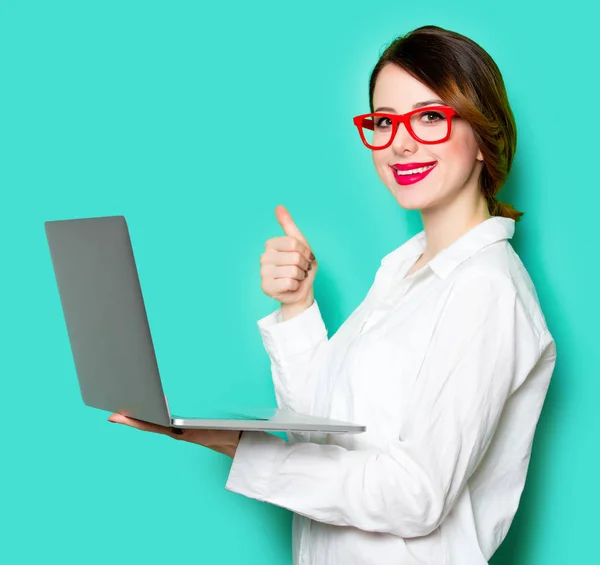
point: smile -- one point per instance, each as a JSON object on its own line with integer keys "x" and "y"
{"x": 412, "y": 176}
{"x": 414, "y": 171}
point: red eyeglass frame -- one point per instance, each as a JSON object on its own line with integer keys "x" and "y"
{"x": 405, "y": 119}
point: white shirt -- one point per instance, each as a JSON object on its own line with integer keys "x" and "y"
{"x": 448, "y": 368}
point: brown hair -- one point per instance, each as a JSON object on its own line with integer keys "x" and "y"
{"x": 464, "y": 75}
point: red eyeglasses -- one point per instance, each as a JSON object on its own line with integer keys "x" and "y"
{"x": 427, "y": 125}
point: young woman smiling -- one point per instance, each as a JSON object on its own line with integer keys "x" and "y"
{"x": 446, "y": 361}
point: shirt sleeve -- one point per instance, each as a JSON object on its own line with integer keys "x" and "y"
{"x": 408, "y": 487}
{"x": 295, "y": 348}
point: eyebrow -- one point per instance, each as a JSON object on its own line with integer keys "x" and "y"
{"x": 415, "y": 106}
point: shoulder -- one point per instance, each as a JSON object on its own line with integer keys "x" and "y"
{"x": 485, "y": 275}
{"x": 499, "y": 271}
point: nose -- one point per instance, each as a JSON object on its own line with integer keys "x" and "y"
{"x": 403, "y": 140}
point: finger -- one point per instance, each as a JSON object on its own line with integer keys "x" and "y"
{"x": 289, "y": 271}
{"x": 138, "y": 424}
{"x": 287, "y": 223}
{"x": 278, "y": 286}
{"x": 273, "y": 259}
{"x": 288, "y": 244}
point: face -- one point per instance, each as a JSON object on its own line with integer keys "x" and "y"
{"x": 458, "y": 160}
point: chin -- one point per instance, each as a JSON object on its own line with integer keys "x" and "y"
{"x": 409, "y": 201}
{"x": 409, "y": 207}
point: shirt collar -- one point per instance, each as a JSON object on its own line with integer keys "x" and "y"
{"x": 496, "y": 228}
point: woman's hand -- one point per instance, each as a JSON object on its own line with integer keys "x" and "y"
{"x": 288, "y": 267}
{"x": 223, "y": 441}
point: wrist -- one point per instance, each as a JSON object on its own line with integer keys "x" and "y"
{"x": 230, "y": 450}
{"x": 231, "y": 447}
{"x": 290, "y": 310}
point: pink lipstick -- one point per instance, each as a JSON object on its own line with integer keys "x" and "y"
{"x": 405, "y": 179}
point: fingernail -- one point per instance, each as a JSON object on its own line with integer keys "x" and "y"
{"x": 309, "y": 266}
{"x": 312, "y": 257}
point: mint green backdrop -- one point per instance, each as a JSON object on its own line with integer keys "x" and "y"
{"x": 195, "y": 120}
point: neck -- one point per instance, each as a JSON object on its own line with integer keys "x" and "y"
{"x": 444, "y": 224}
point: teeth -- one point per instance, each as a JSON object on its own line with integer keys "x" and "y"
{"x": 414, "y": 171}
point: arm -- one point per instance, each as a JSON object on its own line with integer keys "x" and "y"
{"x": 295, "y": 346}
{"x": 408, "y": 488}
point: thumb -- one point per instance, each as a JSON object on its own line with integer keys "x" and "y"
{"x": 289, "y": 227}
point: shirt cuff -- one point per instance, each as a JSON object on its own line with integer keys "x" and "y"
{"x": 285, "y": 339}
{"x": 255, "y": 459}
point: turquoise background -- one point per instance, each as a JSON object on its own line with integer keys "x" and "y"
{"x": 195, "y": 121}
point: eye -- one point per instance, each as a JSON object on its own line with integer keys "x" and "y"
{"x": 382, "y": 122}
{"x": 432, "y": 117}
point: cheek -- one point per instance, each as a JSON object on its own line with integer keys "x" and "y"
{"x": 379, "y": 160}
{"x": 460, "y": 149}
{"x": 382, "y": 160}
{"x": 456, "y": 152}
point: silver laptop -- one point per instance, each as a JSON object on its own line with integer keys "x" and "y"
{"x": 110, "y": 337}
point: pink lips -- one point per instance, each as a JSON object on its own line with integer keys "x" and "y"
{"x": 411, "y": 179}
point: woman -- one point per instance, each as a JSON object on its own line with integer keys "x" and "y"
{"x": 447, "y": 360}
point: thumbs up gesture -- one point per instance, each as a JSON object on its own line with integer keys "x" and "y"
{"x": 288, "y": 266}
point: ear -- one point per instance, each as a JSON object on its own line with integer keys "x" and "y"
{"x": 479, "y": 155}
